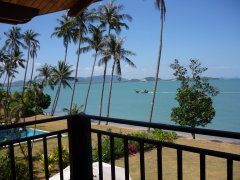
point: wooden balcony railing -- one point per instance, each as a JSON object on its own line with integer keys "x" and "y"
{"x": 80, "y": 149}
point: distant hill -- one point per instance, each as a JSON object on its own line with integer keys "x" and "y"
{"x": 96, "y": 79}
{"x": 99, "y": 79}
{"x": 134, "y": 80}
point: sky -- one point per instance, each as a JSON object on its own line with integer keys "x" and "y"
{"x": 205, "y": 30}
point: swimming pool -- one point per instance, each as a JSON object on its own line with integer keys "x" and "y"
{"x": 11, "y": 134}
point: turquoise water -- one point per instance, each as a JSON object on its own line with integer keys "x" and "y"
{"x": 11, "y": 134}
{"x": 127, "y": 104}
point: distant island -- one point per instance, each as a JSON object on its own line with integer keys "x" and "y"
{"x": 99, "y": 79}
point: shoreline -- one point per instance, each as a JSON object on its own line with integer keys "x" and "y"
{"x": 180, "y": 135}
{"x": 184, "y": 135}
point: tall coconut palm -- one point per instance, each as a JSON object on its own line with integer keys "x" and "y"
{"x": 12, "y": 43}
{"x": 62, "y": 75}
{"x": 45, "y": 73}
{"x": 110, "y": 17}
{"x": 3, "y": 70}
{"x": 16, "y": 61}
{"x": 34, "y": 45}
{"x": 161, "y": 6}
{"x": 81, "y": 22}
{"x": 29, "y": 38}
{"x": 116, "y": 52}
{"x": 96, "y": 42}
{"x": 65, "y": 31}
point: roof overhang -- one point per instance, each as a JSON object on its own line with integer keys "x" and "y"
{"x": 22, "y": 11}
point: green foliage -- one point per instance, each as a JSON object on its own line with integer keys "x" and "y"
{"x": 75, "y": 109}
{"x": 161, "y": 135}
{"x": 133, "y": 145}
{"x": 20, "y": 165}
{"x": 194, "y": 96}
{"x": 118, "y": 149}
{"x": 53, "y": 158}
{"x": 30, "y": 103}
{"x": 45, "y": 101}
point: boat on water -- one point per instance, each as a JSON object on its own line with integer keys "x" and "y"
{"x": 145, "y": 91}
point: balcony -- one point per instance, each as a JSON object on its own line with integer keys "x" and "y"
{"x": 80, "y": 134}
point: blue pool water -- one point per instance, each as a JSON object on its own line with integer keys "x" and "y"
{"x": 15, "y": 133}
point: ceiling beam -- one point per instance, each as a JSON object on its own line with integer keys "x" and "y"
{"x": 16, "y": 14}
{"x": 79, "y": 7}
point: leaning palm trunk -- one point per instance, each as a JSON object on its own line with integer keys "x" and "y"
{"x": 56, "y": 99}
{"x": 157, "y": 72}
{"x": 103, "y": 84}
{"x": 110, "y": 90}
{"x": 76, "y": 73}
{"x": 59, "y": 86}
{"x": 90, "y": 83}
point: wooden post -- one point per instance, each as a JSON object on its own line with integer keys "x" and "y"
{"x": 80, "y": 148}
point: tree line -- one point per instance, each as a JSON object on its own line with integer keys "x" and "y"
{"x": 95, "y": 29}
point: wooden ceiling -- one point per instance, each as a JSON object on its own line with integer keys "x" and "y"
{"x": 22, "y": 11}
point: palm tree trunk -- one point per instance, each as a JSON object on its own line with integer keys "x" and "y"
{"x": 110, "y": 90}
{"x": 25, "y": 74}
{"x": 66, "y": 50}
{"x": 102, "y": 92}
{"x": 55, "y": 99}
{"x": 59, "y": 86}
{"x": 32, "y": 70}
{"x": 90, "y": 83}
{"x": 157, "y": 72}
{"x": 76, "y": 73}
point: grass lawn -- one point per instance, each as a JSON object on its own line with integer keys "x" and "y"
{"x": 215, "y": 167}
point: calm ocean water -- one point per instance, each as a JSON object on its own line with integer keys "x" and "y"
{"x": 126, "y": 103}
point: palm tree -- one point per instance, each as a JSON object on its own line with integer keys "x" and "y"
{"x": 118, "y": 54}
{"x": 61, "y": 74}
{"x": 3, "y": 67}
{"x": 65, "y": 31}
{"x": 45, "y": 73}
{"x": 161, "y": 6}
{"x": 80, "y": 22}
{"x": 110, "y": 16}
{"x": 32, "y": 43}
{"x": 16, "y": 61}
{"x": 95, "y": 42}
{"x": 13, "y": 40}
{"x": 75, "y": 109}
{"x": 12, "y": 44}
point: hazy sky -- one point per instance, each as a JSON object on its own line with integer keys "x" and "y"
{"x": 203, "y": 29}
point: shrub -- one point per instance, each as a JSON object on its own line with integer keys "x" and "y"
{"x": 21, "y": 168}
{"x": 160, "y": 135}
{"x": 133, "y": 146}
{"x": 53, "y": 158}
{"x": 106, "y": 156}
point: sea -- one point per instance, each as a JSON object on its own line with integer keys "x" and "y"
{"x": 127, "y": 104}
